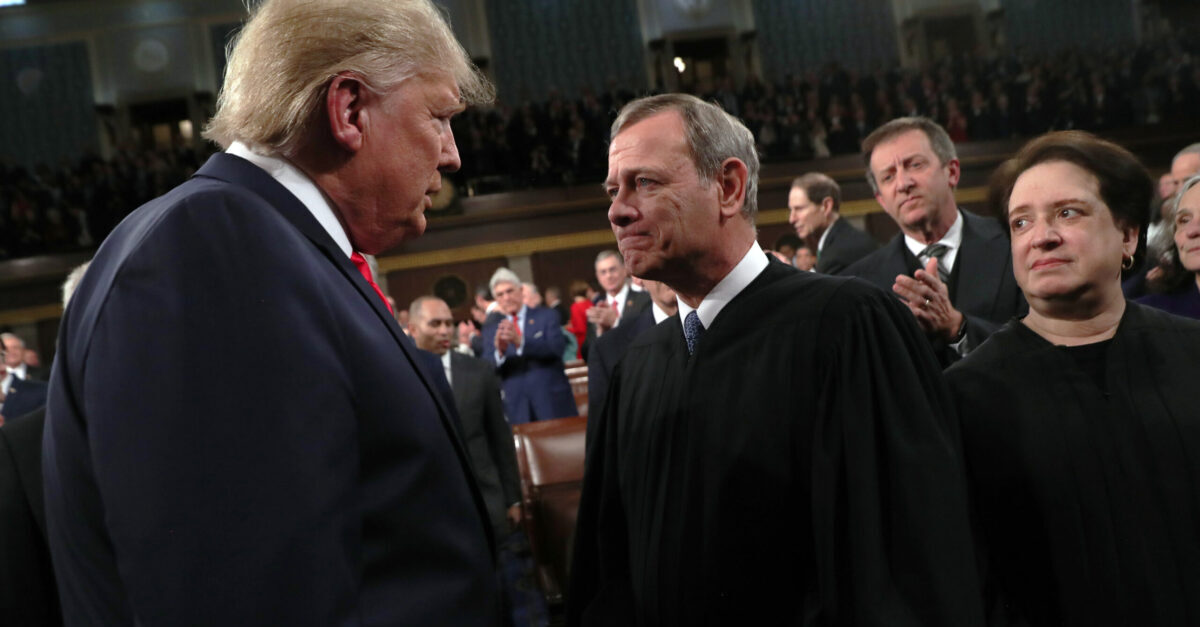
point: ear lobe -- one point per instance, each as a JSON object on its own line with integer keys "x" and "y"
{"x": 733, "y": 180}
{"x": 344, "y": 109}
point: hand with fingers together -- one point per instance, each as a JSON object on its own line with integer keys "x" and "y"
{"x": 929, "y": 300}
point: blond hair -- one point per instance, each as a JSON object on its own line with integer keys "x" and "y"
{"x": 282, "y": 61}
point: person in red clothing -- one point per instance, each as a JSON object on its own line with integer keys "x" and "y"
{"x": 582, "y": 301}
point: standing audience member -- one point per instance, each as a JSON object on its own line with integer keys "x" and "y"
{"x": 489, "y": 441}
{"x": 1079, "y": 420}
{"x": 28, "y": 595}
{"x": 533, "y": 297}
{"x": 782, "y": 451}
{"x": 1177, "y": 290}
{"x": 952, "y": 269}
{"x": 609, "y": 349}
{"x": 805, "y": 259}
{"x": 554, "y": 301}
{"x": 617, "y": 303}
{"x": 525, "y": 345}
{"x": 813, "y": 210}
{"x": 285, "y": 493}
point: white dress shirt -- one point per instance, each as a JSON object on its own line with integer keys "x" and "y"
{"x": 748, "y": 269}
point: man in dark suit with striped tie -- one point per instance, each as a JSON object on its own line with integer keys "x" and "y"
{"x": 952, "y": 269}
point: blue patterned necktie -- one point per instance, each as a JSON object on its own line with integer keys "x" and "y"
{"x": 936, "y": 250}
{"x": 692, "y": 330}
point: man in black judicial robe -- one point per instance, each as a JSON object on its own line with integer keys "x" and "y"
{"x": 782, "y": 450}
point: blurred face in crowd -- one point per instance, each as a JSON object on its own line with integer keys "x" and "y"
{"x": 533, "y": 298}
{"x": 610, "y": 272}
{"x": 509, "y": 296}
{"x": 915, "y": 188}
{"x": 807, "y": 217}
{"x": 662, "y": 295}
{"x": 1182, "y": 168}
{"x": 433, "y": 328}
{"x": 1187, "y": 229}
{"x": 1066, "y": 245}
{"x": 805, "y": 259}
{"x": 14, "y": 352}
{"x": 1166, "y": 186}
{"x": 663, "y": 215}
{"x": 403, "y": 145}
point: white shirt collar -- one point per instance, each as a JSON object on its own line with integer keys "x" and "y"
{"x": 751, "y": 265}
{"x": 622, "y": 294}
{"x": 824, "y": 236}
{"x": 659, "y": 314}
{"x": 952, "y": 238}
{"x": 302, "y": 187}
{"x": 446, "y": 366}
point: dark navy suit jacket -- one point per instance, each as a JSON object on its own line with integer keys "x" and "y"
{"x": 534, "y": 384}
{"x": 24, "y": 397}
{"x": 238, "y": 432}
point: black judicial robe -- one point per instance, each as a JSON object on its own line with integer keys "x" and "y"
{"x": 801, "y": 468}
{"x": 1088, "y": 502}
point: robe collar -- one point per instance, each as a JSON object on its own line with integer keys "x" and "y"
{"x": 744, "y": 273}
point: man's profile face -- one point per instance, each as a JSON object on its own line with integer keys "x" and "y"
{"x": 806, "y": 217}
{"x": 915, "y": 188}
{"x": 14, "y": 352}
{"x": 433, "y": 329}
{"x": 663, "y": 215}
{"x": 509, "y": 296}
{"x": 610, "y": 272}
{"x": 393, "y": 177}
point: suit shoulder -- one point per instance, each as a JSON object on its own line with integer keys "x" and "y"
{"x": 986, "y": 227}
{"x": 870, "y": 265}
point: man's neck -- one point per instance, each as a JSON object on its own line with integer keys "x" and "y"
{"x": 703, "y": 274}
{"x": 935, "y": 228}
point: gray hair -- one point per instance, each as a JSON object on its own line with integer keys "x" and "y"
{"x": 939, "y": 140}
{"x": 605, "y": 254}
{"x": 712, "y": 137}
{"x": 503, "y": 275}
{"x": 282, "y": 61}
{"x": 1193, "y": 149}
{"x": 72, "y": 282}
{"x": 1183, "y": 187}
{"x": 11, "y": 336}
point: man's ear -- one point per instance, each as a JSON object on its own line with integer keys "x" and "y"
{"x": 732, "y": 181}
{"x": 827, "y": 207}
{"x": 344, "y": 106}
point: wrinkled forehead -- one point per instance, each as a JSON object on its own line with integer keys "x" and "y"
{"x": 901, "y": 147}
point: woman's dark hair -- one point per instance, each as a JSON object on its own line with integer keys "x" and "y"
{"x": 578, "y": 287}
{"x": 1125, "y": 185}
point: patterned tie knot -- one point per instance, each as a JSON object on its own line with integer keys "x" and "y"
{"x": 936, "y": 251}
{"x": 692, "y": 331}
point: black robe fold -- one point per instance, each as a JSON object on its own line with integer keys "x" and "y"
{"x": 801, "y": 468}
{"x": 1088, "y": 503}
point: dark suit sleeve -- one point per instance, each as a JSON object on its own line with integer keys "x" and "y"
{"x": 27, "y": 590}
{"x": 222, "y": 426}
{"x": 500, "y": 437}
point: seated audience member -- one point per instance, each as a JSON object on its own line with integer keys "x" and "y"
{"x": 610, "y": 348}
{"x": 580, "y": 303}
{"x": 805, "y": 259}
{"x": 952, "y": 268}
{"x": 1079, "y": 421}
{"x": 813, "y": 205}
{"x": 619, "y": 301}
{"x": 1178, "y": 289}
{"x": 525, "y": 344}
{"x": 489, "y": 442}
{"x": 28, "y": 595}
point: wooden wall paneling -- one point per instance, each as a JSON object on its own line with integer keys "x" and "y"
{"x": 406, "y": 285}
{"x": 560, "y": 267}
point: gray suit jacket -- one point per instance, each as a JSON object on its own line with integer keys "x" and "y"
{"x": 487, "y": 435}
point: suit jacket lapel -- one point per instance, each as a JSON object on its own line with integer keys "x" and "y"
{"x": 980, "y": 268}
{"x": 241, "y": 172}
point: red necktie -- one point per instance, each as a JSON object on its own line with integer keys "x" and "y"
{"x": 361, "y": 263}
{"x": 517, "y": 325}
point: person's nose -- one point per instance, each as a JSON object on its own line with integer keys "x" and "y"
{"x": 1044, "y": 235}
{"x": 621, "y": 212}
{"x": 450, "y": 161}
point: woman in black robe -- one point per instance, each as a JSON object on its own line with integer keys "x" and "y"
{"x": 1080, "y": 426}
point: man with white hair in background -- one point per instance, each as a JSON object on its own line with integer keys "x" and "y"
{"x": 281, "y": 491}
{"x": 526, "y": 346}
